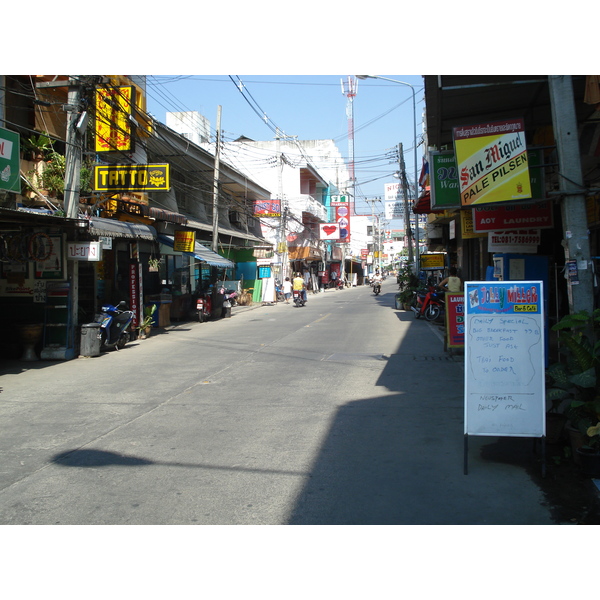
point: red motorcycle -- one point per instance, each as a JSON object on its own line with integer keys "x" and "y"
{"x": 428, "y": 303}
{"x": 204, "y": 307}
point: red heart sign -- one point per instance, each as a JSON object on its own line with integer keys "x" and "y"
{"x": 329, "y": 229}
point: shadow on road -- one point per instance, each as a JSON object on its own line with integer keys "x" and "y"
{"x": 103, "y": 458}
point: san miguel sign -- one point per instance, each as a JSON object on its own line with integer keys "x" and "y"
{"x": 131, "y": 178}
{"x": 492, "y": 162}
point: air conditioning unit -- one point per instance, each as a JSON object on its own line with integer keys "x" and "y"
{"x": 237, "y": 218}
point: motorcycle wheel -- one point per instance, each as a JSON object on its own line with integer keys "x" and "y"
{"x": 432, "y": 312}
{"x": 122, "y": 340}
{"x": 417, "y": 313}
{"x": 200, "y": 317}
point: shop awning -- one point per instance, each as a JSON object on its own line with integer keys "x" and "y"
{"x": 201, "y": 253}
{"x": 114, "y": 228}
{"x": 166, "y": 215}
{"x": 423, "y": 205}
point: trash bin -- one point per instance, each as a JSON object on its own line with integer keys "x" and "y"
{"x": 398, "y": 302}
{"x": 90, "y": 339}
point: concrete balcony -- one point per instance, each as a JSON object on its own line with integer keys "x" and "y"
{"x": 306, "y": 203}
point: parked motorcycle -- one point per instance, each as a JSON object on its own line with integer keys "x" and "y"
{"x": 229, "y": 297}
{"x": 115, "y": 322}
{"x": 298, "y": 298}
{"x": 204, "y": 306}
{"x": 428, "y": 303}
{"x": 279, "y": 295}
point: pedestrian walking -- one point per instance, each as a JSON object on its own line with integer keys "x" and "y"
{"x": 287, "y": 290}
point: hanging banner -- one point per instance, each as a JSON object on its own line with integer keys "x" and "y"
{"x": 492, "y": 162}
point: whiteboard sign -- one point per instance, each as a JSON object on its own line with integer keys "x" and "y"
{"x": 504, "y": 359}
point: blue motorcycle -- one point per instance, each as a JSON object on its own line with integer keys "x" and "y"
{"x": 114, "y": 326}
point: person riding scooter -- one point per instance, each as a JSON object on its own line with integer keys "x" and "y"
{"x": 299, "y": 285}
{"x": 376, "y": 281}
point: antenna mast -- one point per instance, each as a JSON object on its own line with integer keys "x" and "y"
{"x": 349, "y": 89}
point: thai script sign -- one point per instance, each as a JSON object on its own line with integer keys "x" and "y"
{"x": 432, "y": 261}
{"x": 444, "y": 180}
{"x": 492, "y": 162}
{"x": 114, "y": 106}
{"x": 87, "y": 251}
{"x": 184, "y": 241}
{"x": 10, "y": 179}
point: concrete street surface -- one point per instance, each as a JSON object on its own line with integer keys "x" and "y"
{"x": 343, "y": 412}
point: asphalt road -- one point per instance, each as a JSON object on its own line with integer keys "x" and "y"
{"x": 345, "y": 411}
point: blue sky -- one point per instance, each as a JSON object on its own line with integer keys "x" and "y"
{"x": 310, "y": 107}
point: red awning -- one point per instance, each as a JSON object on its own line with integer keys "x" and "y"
{"x": 423, "y": 204}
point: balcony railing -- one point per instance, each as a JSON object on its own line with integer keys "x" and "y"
{"x": 307, "y": 203}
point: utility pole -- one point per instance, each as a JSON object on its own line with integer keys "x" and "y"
{"x": 215, "y": 240}
{"x": 407, "y": 227}
{"x": 74, "y": 150}
{"x": 575, "y": 232}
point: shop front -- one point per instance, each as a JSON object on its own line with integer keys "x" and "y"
{"x": 182, "y": 274}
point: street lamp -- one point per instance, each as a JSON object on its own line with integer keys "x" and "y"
{"x": 414, "y": 148}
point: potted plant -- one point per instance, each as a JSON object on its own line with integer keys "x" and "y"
{"x": 572, "y": 385}
{"x": 145, "y": 327}
{"x": 408, "y": 283}
{"x": 37, "y": 147}
{"x": 53, "y": 175}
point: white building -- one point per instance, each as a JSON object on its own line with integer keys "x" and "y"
{"x": 303, "y": 175}
{"x": 192, "y": 125}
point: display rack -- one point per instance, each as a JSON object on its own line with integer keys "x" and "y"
{"x": 59, "y": 335}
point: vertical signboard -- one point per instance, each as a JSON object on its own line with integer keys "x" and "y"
{"x": 10, "y": 178}
{"x": 504, "y": 359}
{"x": 342, "y": 218}
{"x": 455, "y": 319}
{"x": 113, "y": 128}
{"x": 444, "y": 181}
{"x": 135, "y": 292}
